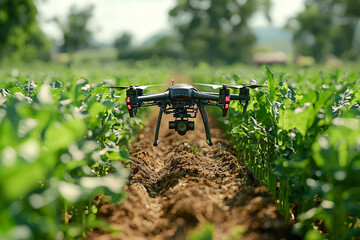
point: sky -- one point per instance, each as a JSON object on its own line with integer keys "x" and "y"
{"x": 142, "y": 18}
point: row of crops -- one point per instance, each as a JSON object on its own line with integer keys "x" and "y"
{"x": 63, "y": 135}
{"x": 301, "y": 139}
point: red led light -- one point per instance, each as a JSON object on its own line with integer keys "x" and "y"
{"x": 129, "y": 107}
{"x": 227, "y": 105}
{"x": 128, "y": 99}
{"x": 227, "y": 99}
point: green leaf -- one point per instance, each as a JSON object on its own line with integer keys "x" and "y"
{"x": 24, "y": 178}
{"x": 323, "y": 98}
{"x": 300, "y": 118}
{"x": 236, "y": 78}
{"x": 95, "y": 109}
{"x": 271, "y": 83}
{"x": 355, "y": 98}
{"x": 286, "y": 117}
{"x": 310, "y": 97}
{"x": 122, "y": 155}
{"x": 60, "y": 136}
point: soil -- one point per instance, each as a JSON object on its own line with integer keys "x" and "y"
{"x": 183, "y": 184}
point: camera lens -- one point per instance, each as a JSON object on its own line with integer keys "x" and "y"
{"x": 181, "y": 126}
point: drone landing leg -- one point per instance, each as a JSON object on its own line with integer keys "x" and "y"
{"x": 156, "y": 142}
{"x": 245, "y": 107}
{"x": 206, "y": 124}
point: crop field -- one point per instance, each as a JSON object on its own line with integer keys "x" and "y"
{"x": 72, "y": 159}
{"x": 300, "y": 138}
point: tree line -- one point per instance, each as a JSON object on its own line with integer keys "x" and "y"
{"x": 327, "y": 27}
{"x": 22, "y": 40}
{"x": 212, "y": 31}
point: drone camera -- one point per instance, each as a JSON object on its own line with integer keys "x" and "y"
{"x": 182, "y": 126}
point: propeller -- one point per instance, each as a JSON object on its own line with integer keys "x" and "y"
{"x": 135, "y": 87}
{"x": 215, "y": 86}
{"x": 245, "y": 86}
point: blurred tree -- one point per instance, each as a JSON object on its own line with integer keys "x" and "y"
{"x": 123, "y": 42}
{"x": 21, "y": 39}
{"x": 326, "y": 27}
{"x": 164, "y": 47}
{"x": 167, "y": 47}
{"x": 76, "y": 34}
{"x": 217, "y": 30}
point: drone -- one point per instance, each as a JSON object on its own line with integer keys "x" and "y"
{"x": 184, "y": 102}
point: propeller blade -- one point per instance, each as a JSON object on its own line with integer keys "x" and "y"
{"x": 119, "y": 87}
{"x": 255, "y": 86}
{"x": 247, "y": 86}
{"x": 146, "y": 86}
{"x": 135, "y": 87}
{"x": 214, "y": 86}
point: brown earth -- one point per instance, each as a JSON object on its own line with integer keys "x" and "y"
{"x": 184, "y": 184}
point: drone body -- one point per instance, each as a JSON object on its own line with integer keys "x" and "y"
{"x": 184, "y": 101}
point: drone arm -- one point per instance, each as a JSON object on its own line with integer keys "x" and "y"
{"x": 206, "y": 96}
{"x": 240, "y": 97}
{"x": 153, "y": 97}
{"x": 211, "y": 93}
{"x": 206, "y": 123}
